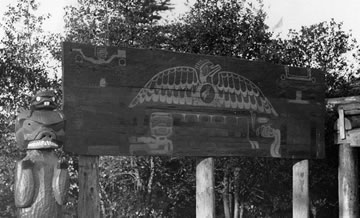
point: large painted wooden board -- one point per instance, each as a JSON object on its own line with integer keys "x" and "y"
{"x": 126, "y": 101}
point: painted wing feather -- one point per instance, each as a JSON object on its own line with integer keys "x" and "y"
{"x": 238, "y": 92}
{"x": 174, "y": 85}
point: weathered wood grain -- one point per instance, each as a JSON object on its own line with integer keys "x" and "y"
{"x": 205, "y": 188}
{"x": 89, "y": 200}
{"x": 126, "y": 101}
{"x": 348, "y": 177}
{"x": 301, "y": 198}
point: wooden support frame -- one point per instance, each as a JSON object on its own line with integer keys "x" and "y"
{"x": 348, "y": 137}
{"x": 152, "y": 91}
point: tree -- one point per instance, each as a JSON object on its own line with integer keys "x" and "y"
{"x": 131, "y": 23}
{"x": 25, "y": 56}
{"x": 156, "y": 186}
{"x": 228, "y": 28}
{"x": 324, "y": 46}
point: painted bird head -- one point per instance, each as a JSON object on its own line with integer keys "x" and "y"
{"x": 206, "y": 69}
{"x": 43, "y": 100}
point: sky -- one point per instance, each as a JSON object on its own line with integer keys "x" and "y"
{"x": 287, "y": 13}
{"x": 297, "y": 13}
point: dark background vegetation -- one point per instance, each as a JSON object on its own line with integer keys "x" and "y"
{"x": 165, "y": 186}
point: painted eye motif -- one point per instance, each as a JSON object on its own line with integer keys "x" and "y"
{"x": 27, "y": 123}
{"x": 38, "y": 98}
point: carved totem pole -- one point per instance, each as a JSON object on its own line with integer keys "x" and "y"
{"x": 41, "y": 180}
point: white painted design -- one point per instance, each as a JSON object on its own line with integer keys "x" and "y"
{"x": 161, "y": 128}
{"x": 150, "y": 145}
{"x": 266, "y": 131}
{"x": 102, "y": 82}
{"x": 298, "y": 99}
{"x": 254, "y": 144}
{"x": 289, "y": 76}
{"x": 101, "y": 55}
{"x": 275, "y": 146}
{"x": 204, "y": 85}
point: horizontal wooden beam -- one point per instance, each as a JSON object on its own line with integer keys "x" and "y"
{"x": 352, "y": 137}
{"x": 343, "y": 100}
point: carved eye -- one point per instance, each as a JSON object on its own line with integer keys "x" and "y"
{"x": 38, "y": 98}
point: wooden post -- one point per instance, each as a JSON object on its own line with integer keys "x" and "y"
{"x": 348, "y": 182}
{"x": 301, "y": 189}
{"x": 348, "y": 136}
{"x": 237, "y": 203}
{"x": 89, "y": 200}
{"x": 205, "y": 195}
{"x": 226, "y": 194}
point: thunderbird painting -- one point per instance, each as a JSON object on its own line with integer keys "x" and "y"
{"x": 207, "y": 86}
{"x": 126, "y": 101}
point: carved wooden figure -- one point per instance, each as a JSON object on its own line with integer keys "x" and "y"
{"x": 41, "y": 180}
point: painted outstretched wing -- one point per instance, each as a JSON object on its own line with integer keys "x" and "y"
{"x": 174, "y": 85}
{"x": 238, "y": 92}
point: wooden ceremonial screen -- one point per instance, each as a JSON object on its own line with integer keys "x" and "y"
{"x": 127, "y": 101}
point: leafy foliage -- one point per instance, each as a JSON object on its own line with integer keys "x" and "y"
{"x": 324, "y": 46}
{"x": 158, "y": 186}
{"x": 114, "y": 22}
{"x": 229, "y": 28}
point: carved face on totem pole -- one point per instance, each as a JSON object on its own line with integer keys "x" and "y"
{"x": 44, "y": 100}
{"x": 42, "y": 127}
